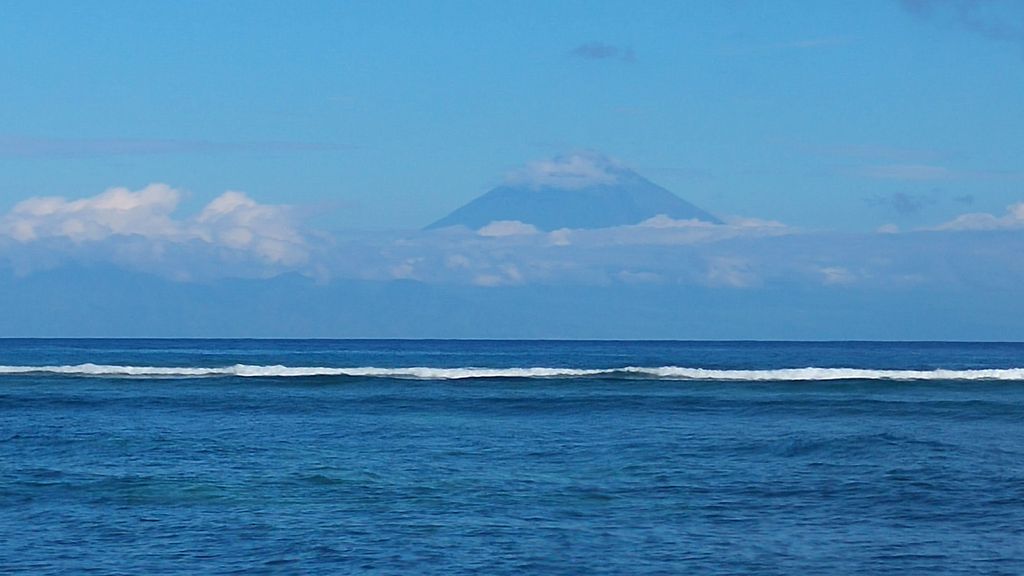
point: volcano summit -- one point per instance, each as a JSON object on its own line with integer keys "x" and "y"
{"x": 579, "y": 191}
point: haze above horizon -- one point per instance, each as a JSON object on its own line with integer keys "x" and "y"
{"x": 854, "y": 169}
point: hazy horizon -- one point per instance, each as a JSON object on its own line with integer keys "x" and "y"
{"x": 190, "y": 169}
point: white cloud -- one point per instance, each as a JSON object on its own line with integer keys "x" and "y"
{"x": 236, "y": 236}
{"x": 500, "y": 228}
{"x": 1014, "y": 218}
{"x": 663, "y": 221}
{"x": 236, "y": 221}
{"x": 232, "y": 221}
{"x": 569, "y": 172}
{"x": 560, "y": 237}
{"x": 117, "y": 211}
{"x": 663, "y": 230}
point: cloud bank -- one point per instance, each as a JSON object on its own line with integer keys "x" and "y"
{"x": 235, "y": 236}
{"x": 231, "y": 226}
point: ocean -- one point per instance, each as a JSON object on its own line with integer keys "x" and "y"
{"x": 510, "y": 457}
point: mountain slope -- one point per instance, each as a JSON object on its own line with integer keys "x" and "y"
{"x": 600, "y": 196}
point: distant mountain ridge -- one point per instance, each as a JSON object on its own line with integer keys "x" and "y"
{"x": 579, "y": 191}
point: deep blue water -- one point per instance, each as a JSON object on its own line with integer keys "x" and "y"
{"x": 609, "y": 472}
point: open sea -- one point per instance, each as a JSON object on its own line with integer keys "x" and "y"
{"x": 510, "y": 457}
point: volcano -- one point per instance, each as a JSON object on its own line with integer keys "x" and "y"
{"x": 580, "y": 191}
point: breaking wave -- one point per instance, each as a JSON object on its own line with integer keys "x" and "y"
{"x": 425, "y": 373}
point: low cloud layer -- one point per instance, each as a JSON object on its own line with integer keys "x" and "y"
{"x": 234, "y": 235}
{"x": 660, "y": 250}
{"x": 742, "y": 254}
{"x": 662, "y": 230}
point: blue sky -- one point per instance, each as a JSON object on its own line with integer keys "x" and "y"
{"x": 342, "y": 128}
{"x": 387, "y": 115}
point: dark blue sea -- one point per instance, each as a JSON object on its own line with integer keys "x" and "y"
{"x": 492, "y": 457}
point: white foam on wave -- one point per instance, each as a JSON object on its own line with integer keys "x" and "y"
{"x": 818, "y": 374}
{"x": 251, "y": 371}
{"x": 425, "y": 373}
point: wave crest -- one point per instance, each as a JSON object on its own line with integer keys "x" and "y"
{"x": 425, "y": 373}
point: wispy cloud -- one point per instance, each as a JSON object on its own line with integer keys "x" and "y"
{"x": 922, "y": 172}
{"x": 878, "y": 153}
{"x": 572, "y": 171}
{"x": 907, "y": 172}
{"x": 602, "y": 51}
{"x": 30, "y": 147}
{"x": 836, "y": 276}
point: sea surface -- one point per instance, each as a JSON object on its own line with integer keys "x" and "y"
{"x": 495, "y": 457}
